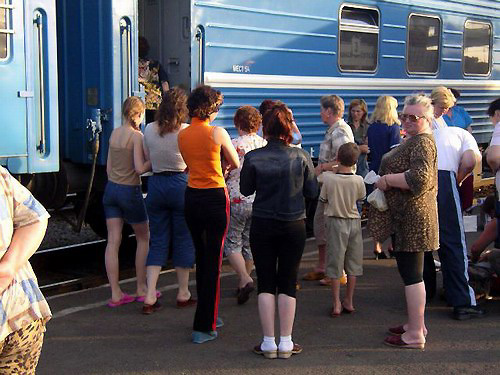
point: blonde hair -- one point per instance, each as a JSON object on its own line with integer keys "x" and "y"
{"x": 386, "y": 111}
{"x": 442, "y": 96}
{"x": 424, "y": 101}
{"x": 132, "y": 109}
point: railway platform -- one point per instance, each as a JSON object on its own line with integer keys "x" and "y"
{"x": 86, "y": 337}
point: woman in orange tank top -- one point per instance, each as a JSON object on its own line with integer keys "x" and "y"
{"x": 123, "y": 199}
{"x": 206, "y": 202}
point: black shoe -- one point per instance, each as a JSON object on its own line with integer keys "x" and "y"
{"x": 468, "y": 312}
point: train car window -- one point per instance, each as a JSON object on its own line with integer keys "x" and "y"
{"x": 423, "y": 44}
{"x": 358, "y": 39}
{"x": 3, "y": 29}
{"x": 477, "y": 48}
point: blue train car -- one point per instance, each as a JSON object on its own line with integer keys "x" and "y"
{"x": 28, "y": 86}
{"x": 298, "y": 51}
{"x": 67, "y": 65}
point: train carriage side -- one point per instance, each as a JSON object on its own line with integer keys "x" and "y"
{"x": 297, "y": 52}
{"x": 28, "y": 86}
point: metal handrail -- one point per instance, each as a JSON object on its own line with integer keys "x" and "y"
{"x": 38, "y": 21}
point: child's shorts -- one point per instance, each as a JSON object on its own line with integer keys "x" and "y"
{"x": 238, "y": 234}
{"x": 344, "y": 247}
{"x": 124, "y": 202}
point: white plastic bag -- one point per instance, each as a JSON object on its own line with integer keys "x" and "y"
{"x": 377, "y": 200}
{"x": 371, "y": 177}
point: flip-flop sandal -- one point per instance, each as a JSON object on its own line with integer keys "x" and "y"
{"x": 123, "y": 301}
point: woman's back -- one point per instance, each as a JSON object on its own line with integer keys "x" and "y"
{"x": 381, "y": 138}
{"x": 164, "y": 150}
{"x": 121, "y": 154}
{"x": 281, "y": 176}
{"x": 202, "y": 155}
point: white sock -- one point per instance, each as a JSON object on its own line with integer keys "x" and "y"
{"x": 268, "y": 344}
{"x": 286, "y": 343}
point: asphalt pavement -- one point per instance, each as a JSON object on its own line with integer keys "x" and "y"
{"x": 86, "y": 337}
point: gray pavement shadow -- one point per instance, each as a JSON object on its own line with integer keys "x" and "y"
{"x": 122, "y": 341}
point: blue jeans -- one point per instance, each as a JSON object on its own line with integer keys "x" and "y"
{"x": 167, "y": 224}
{"x": 124, "y": 202}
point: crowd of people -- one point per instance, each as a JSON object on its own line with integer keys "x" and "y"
{"x": 245, "y": 198}
{"x": 211, "y": 195}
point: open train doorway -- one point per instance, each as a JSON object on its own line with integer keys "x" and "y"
{"x": 166, "y": 24}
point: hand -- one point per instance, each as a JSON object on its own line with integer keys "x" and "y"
{"x": 381, "y": 184}
{"x": 364, "y": 149}
{"x": 6, "y": 276}
{"x": 318, "y": 170}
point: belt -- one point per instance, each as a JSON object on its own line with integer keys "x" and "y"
{"x": 167, "y": 173}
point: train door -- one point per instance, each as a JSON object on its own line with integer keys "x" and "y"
{"x": 166, "y": 24}
{"x": 97, "y": 43}
{"x": 28, "y": 81}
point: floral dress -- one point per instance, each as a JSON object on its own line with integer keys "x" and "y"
{"x": 413, "y": 212}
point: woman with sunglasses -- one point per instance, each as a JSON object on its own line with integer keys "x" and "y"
{"x": 409, "y": 180}
{"x": 206, "y": 202}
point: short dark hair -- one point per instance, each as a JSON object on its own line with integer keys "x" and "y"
{"x": 248, "y": 119}
{"x": 266, "y": 105}
{"x": 278, "y": 122}
{"x": 348, "y": 154}
{"x": 494, "y": 106}
{"x": 455, "y": 92}
{"x": 204, "y": 101}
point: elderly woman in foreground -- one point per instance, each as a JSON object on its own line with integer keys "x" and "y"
{"x": 409, "y": 179}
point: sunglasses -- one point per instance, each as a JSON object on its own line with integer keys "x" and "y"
{"x": 413, "y": 118}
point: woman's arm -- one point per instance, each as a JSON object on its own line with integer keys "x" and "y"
{"x": 247, "y": 178}
{"x": 488, "y": 236}
{"x": 467, "y": 164}
{"x": 310, "y": 187}
{"x": 108, "y": 163}
{"x": 395, "y": 180}
{"x": 222, "y": 138}
{"x": 25, "y": 242}
{"x": 141, "y": 164}
{"x": 493, "y": 157}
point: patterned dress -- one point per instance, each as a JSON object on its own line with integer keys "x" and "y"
{"x": 413, "y": 212}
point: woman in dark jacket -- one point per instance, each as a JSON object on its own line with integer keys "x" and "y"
{"x": 281, "y": 176}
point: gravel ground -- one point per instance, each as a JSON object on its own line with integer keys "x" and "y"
{"x": 61, "y": 233}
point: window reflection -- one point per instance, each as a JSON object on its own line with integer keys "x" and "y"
{"x": 477, "y": 39}
{"x": 423, "y": 44}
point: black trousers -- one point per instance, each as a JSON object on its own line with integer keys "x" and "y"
{"x": 452, "y": 248}
{"x": 207, "y": 217}
{"x": 277, "y": 248}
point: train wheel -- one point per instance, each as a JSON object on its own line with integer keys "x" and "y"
{"x": 50, "y": 188}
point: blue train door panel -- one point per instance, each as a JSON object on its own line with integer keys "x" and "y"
{"x": 28, "y": 82}
{"x": 97, "y": 65}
